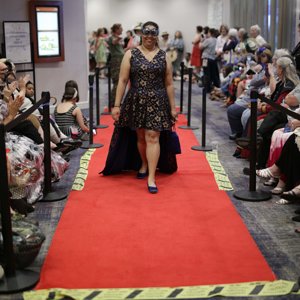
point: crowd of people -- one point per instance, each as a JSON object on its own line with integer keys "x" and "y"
{"x": 25, "y": 141}
{"x": 229, "y": 63}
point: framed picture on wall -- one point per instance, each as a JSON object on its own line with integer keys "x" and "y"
{"x": 47, "y": 30}
{"x": 17, "y": 45}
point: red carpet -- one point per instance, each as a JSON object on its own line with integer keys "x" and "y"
{"x": 115, "y": 234}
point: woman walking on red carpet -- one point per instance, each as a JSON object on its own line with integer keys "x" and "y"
{"x": 148, "y": 109}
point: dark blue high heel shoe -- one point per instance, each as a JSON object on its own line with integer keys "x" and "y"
{"x": 152, "y": 189}
{"x": 140, "y": 175}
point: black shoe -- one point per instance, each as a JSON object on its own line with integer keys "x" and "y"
{"x": 71, "y": 142}
{"x": 246, "y": 171}
{"x": 296, "y": 219}
{"x": 152, "y": 189}
{"x": 140, "y": 175}
{"x": 234, "y": 136}
{"x": 297, "y": 211}
{"x": 21, "y": 206}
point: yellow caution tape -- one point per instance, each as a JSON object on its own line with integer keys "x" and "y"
{"x": 82, "y": 173}
{"x": 247, "y": 289}
{"x": 221, "y": 177}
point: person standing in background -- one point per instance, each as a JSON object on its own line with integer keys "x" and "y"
{"x": 209, "y": 63}
{"x": 116, "y": 49}
{"x": 164, "y": 42}
{"x": 100, "y": 51}
{"x": 177, "y": 45}
{"x": 296, "y": 53}
{"x": 128, "y": 39}
{"x": 221, "y": 41}
{"x": 196, "y": 51}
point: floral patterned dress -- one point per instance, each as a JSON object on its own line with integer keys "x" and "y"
{"x": 146, "y": 104}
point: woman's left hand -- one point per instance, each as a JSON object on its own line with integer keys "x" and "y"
{"x": 174, "y": 114}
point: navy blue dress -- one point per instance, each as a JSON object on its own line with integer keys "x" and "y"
{"x": 146, "y": 105}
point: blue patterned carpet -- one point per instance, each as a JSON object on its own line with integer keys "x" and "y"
{"x": 270, "y": 224}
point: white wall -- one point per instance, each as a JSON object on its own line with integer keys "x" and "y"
{"x": 52, "y": 76}
{"x": 171, "y": 15}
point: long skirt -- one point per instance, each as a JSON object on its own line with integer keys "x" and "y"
{"x": 123, "y": 153}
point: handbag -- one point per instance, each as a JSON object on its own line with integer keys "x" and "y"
{"x": 174, "y": 143}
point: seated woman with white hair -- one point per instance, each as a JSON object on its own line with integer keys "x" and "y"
{"x": 288, "y": 80}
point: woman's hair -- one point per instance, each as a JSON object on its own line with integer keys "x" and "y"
{"x": 70, "y": 93}
{"x": 199, "y": 29}
{"x": 115, "y": 27}
{"x": 205, "y": 29}
{"x": 280, "y": 52}
{"x": 263, "y": 51}
{"x": 288, "y": 69}
{"x": 99, "y": 32}
{"x": 225, "y": 27}
{"x": 72, "y": 84}
{"x": 212, "y": 32}
{"x": 150, "y": 23}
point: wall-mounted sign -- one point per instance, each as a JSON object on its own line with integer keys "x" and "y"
{"x": 17, "y": 41}
{"x": 47, "y": 27}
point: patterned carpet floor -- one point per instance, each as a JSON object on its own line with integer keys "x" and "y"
{"x": 269, "y": 224}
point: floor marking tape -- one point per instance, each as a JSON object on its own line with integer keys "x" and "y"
{"x": 247, "y": 289}
{"x": 81, "y": 175}
{"x": 221, "y": 177}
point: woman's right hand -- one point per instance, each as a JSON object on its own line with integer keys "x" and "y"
{"x": 115, "y": 113}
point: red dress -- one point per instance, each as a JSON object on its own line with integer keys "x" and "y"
{"x": 196, "y": 53}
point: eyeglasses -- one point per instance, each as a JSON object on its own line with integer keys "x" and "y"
{"x": 153, "y": 32}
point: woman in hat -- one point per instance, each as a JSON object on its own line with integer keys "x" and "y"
{"x": 164, "y": 42}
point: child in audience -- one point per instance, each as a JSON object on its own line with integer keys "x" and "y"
{"x": 68, "y": 115}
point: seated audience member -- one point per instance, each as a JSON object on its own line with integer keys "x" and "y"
{"x": 69, "y": 117}
{"x": 11, "y": 89}
{"x": 281, "y": 135}
{"x": 25, "y": 160}
{"x": 255, "y": 35}
{"x": 235, "y": 111}
{"x": 287, "y": 168}
{"x": 288, "y": 79}
{"x": 59, "y": 141}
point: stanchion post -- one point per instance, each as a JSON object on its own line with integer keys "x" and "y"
{"x": 14, "y": 280}
{"x": 181, "y": 86}
{"x": 203, "y": 146}
{"x": 189, "y": 103}
{"x": 91, "y": 116}
{"x": 97, "y": 96}
{"x": 109, "y": 87}
{"x": 49, "y": 195}
{"x": 98, "y": 125}
{"x": 253, "y": 195}
{"x": 108, "y": 112}
{"x": 253, "y": 147}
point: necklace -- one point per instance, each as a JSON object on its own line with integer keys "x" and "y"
{"x": 148, "y": 50}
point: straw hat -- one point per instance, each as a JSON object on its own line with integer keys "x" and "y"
{"x": 138, "y": 27}
{"x": 164, "y": 33}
